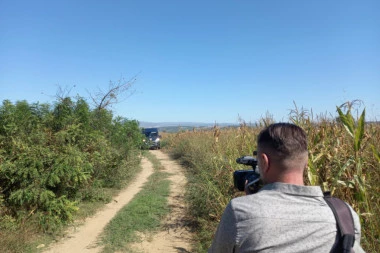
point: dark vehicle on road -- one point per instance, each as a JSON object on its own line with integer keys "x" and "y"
{"x": 152, "y": 138}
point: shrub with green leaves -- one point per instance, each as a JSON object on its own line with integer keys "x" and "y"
{"x": 52, "y": 156}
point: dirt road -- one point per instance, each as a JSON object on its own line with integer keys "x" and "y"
{"x": 175, "y": 236}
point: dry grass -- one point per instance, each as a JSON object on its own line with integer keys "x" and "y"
{"x": 342, "y": 161}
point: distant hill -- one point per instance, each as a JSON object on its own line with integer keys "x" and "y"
{"x": 176, "y": 126}
{"x": 181, "y": 124}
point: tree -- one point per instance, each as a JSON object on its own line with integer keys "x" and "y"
{"x": 116, "y": 92}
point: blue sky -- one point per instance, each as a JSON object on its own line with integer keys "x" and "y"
{"x": 195, "y": 61}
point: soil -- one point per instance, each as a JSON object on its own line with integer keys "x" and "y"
{"x": 175, "y": 235}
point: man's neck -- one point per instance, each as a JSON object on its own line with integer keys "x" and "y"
{"x": 289, "y": 178}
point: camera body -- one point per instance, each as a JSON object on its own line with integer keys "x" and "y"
{"x": 251, "y": 176}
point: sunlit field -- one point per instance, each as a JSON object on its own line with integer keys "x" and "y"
{"x": 344, "y": 157}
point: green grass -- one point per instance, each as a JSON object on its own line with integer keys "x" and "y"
{"x": 104, "y": 195}
{"x": 143, "y": 214}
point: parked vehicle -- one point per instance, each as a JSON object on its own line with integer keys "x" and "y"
{"x": 152, "y": 138}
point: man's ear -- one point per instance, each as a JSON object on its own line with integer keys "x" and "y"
{"x": 265, "y": 162}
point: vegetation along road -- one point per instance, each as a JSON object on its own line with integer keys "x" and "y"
{"x": 174, "y": 234}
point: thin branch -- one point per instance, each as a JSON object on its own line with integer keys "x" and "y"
{"x": 115, "y": 92}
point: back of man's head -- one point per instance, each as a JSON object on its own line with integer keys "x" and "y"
{"x": 285, "y": 144}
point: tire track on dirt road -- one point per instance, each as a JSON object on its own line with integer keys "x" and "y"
{"x": 175, "y": 235}
{"x": 83, "y": 238}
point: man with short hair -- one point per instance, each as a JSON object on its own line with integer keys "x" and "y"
{"x": 284, "y": 215}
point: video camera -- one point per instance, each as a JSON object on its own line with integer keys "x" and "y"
{"x": 251, "y": 176}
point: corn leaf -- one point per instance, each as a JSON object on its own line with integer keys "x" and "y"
{"x": 376, "y": 153}
{"x": 359, "y": 133}
{"x": 312, "y": 172}
{"x": 347, "y": 122}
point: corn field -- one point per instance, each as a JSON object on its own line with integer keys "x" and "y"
{"x": 344, "y": 157}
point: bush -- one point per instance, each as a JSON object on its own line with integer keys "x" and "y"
{"x": 53, "y": 157}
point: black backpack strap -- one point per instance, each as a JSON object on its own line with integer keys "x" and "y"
{"x": 344, "y": 220}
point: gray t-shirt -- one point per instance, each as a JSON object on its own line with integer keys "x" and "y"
{"x": 279, "y": 218}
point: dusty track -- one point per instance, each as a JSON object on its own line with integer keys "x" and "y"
{"x": 175, "y": 236}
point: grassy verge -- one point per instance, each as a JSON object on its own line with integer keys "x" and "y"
{"x": 143, "y": 214}
{"x": 89, "y": 208}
